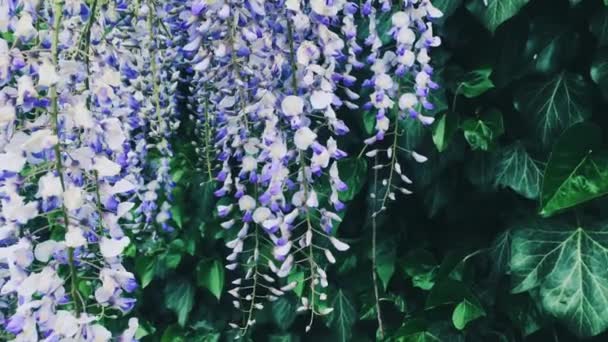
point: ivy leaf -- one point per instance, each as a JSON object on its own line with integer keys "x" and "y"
{"x": 599, "y": 26}
{"x": 447, "y": 7}
{"x": 421, "y": 336}
{"x": 466, "y": 312}
{"x": 500, "y": 252}
{"x": 567, "y": 266}
{"x": 421, "y": 266}
{"x": 554, "y": 104}
{"x": 203, "y": 201}
{"x": 342, "y": 318}
{"x": 145, "y": 267}
{"x": 496, "y": 12}
{"x": 450, "y": 291}
{"x": 385, "y": 261}
{"x": 415, "y": 330}
{"x": 176, "y": 215}
{"x": 353, "y": 172}
{"x": 284, "y": 311}
{"x": 173, "y": 333}
{"x": 298, "y": 277}
{"x": 210, "y": 275}
{"x": 444, "y": 129}
{"x": 518, "y": 171}
{"x": 474, "y": 83}
{"x": 481, "y": 133}
{"x": 599, "y": 71}
{"x": 369, "y": 121}
{"x": 577, "y": 171}
{"x": 551, "y": 44}
{"x": 179, "y": 298}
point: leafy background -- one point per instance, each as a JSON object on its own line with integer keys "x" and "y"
{"x": 504, "y": 238}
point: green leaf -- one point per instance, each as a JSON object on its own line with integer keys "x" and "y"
{"x": 369, "y": 121}
{"x": 144, "y": 329}
{"x": 500, "y": 253}
{"x": 444, "y": 129}
{"x": 567, "y": 267}
{"x": 210, "y": 275}
{"x": 599, "y": 71}
{"x": 554, "y": 104}
{"x": 599, "y": 26}
{"x": 353, "y": 172}
{"x": 385, "y": 261}
{"x": 447, "y": 7}
{"x": 179, "y": 298}
{"x": 481, "y": 133}
{"x": 466, "y": 312}
{"x": 298, "y": 277}
{"x": 518, "y": 171}
{"x": 202, "y": 201}
{"x": 421, "y": 266}
{"x": 551, "y": 45}
{"x": 284, "y": 311}
{"x": 176, "y": 215}
{"x": 342, "y": 318}
{"x": 577, "y": 170}
{"x": 145, "y": 267}
{"x": 450, "y": 291}
{"x": 173, "y": 333}
{"x": 474, "y": 83}
{"x": 496, "y": 12}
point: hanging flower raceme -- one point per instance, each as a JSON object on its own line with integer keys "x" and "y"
{"x": 401, "y": 83}
{"x": 70, "y": 126}
{"x": 268, "y": 87}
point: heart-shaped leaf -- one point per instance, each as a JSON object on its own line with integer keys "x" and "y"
{"x": 567, "y": 267}
{"x": 466, "y": 312}
{"x": 343, "y": 317}
{"x": 210, "y": 275}
{"x": 555, "y": 104}
{"x": 481, "y": 133}
{"x": 577, "y": 170}
{"x": 518, "y": 171}
{"x": 492, "y": 13}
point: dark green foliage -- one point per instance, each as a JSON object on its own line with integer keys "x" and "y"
{"x": 470, "y": 256}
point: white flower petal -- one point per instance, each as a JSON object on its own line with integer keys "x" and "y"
{"x": 304, "y": 137}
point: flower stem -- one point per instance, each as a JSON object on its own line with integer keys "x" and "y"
{"x": 302, "y": 162}
{"x": 58, "y": 13}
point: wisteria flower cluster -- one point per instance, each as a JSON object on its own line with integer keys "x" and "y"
{"x": 90, "y": 90}
{"x": 80, "y": 106}
{"x": 270, "y": 79}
